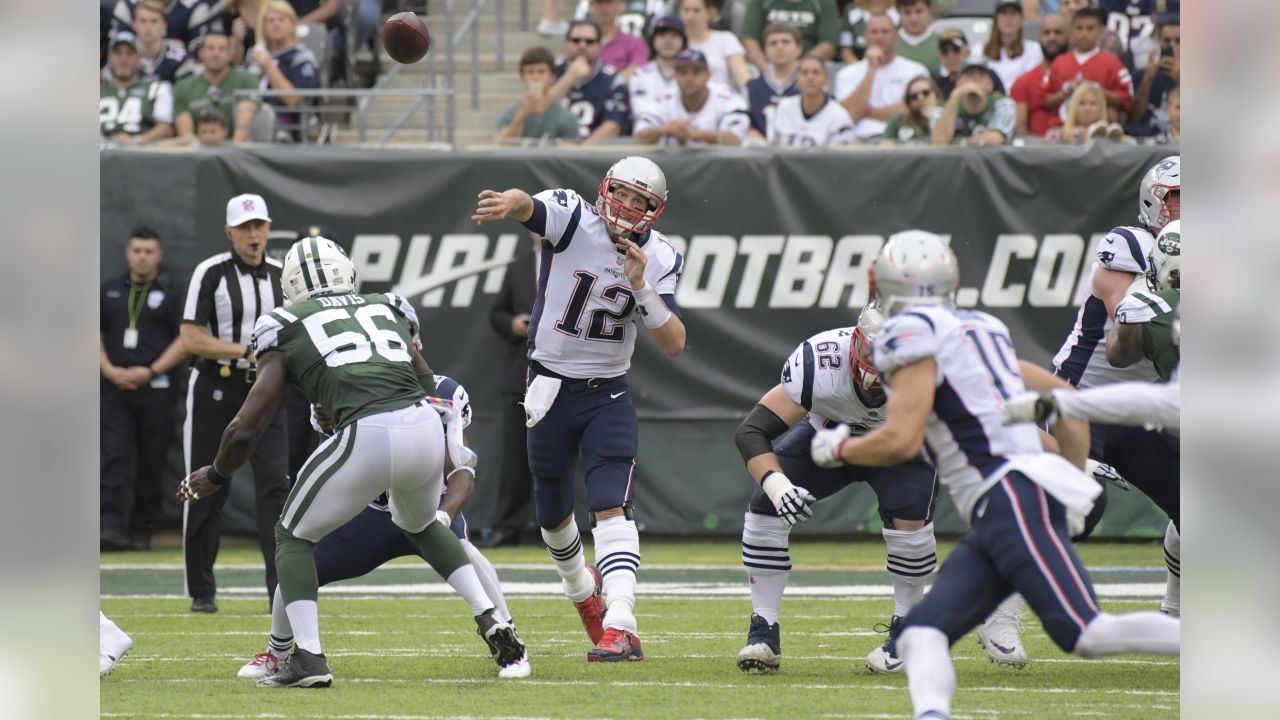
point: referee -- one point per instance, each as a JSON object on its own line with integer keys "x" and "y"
{"x": 227, "y": 294}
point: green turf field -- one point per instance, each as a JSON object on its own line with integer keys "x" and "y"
{"x": 402, "y": 647}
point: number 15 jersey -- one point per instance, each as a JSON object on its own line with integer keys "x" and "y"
{"x": 584, "y": 317}
{"x": 350, "y": 354}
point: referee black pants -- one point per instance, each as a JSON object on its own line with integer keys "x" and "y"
{"x": 212, "y": 401}
{"x": 137, "y": 430}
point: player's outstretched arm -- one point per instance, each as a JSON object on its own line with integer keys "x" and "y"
{"x": 255, "y": 415}
{"x": 494, "y": 206}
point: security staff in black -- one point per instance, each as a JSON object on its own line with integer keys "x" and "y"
{"x": 227, "y": 294}
{"x": 139, "y": 349}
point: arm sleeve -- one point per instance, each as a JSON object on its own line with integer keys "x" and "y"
{"x": 556, "y": 214}
{"x": 266, "y": 334}
{"x": 1121, "y": 250}
{"x": 403, "y": 308}
{"x": 797, "y": 376}
{"x": 1128, "y": 403}
{"x": 905, "y": 339}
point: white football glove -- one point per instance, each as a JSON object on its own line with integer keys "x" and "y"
{"x": 825, "y": 446}
{"x": 1106, "y": 473}
{"x": 443, "y": 518}
{"x": 791, "y": 502}
{"x": 1030, "y": 407}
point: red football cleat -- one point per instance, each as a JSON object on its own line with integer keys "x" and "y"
{"x": 591, "y": 610}
{"x": 616, "y": 646}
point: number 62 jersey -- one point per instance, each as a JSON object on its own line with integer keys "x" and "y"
{"x": 584, "y": 317}
{"x": 818, "y": 377}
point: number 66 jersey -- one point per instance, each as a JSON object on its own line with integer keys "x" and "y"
{"x": 351, "y": 354}
{"x": 584, "y": 316}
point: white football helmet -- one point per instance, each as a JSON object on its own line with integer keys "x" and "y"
{"x": 914, "y": 268}
{"x": 316, "y": 266}
{"x": 864, "y": 334}
{"x": 1164, "y": 262}
{"x": 1154, "y": 204}
{"x": 641, "y": 175}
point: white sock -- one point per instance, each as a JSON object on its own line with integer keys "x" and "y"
{"x": 766, "y": 556}
{"x": 1145, "y": 632}
{"x": 931, "y": 679}
{"x": 281, "y": 640}
{"x": 1173, "y": 562}
{"x": 565, "y": 546}
{"x": 618, "y": 558}
{"x": 304, "y": 617}
{"x": 911, "y": 556}
{"x": 488, "y": 578}
{"x": 466, "y": 583}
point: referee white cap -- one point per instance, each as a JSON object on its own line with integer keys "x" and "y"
{"x": 246, "y": 207}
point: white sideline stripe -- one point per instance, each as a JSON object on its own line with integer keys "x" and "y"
{"x": 551, "y": 568}
{"x": 554, "y": 589}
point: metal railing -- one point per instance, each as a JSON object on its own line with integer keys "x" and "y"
{"x": 319, "y": 122}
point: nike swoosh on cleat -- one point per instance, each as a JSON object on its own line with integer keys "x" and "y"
{"x": 613, "y": 396}
{"x": 893, "y": 666}
{"x": 1001, "y": 648}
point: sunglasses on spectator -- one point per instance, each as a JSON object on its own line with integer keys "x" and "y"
{"x": 583, "y": 41}
{"x": 912, "y": 97}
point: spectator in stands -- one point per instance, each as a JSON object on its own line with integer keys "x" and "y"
{"x": 187, "y": 20}
{"x": 921, "y": 98}
{"x": 332, "y": 14}
{"x": 211, "y": 128}
{"x": 1087, "y": 61}
{"x": 215, "y": 87}
{"x": 130, "y": 109}
{"x": 1030, "y": 90}
{"x": 782, "y": 48}
{"x": 812, "y": 118}
{"x": 817, "y": 21}
{"x": 915, "y": 40}
{"x": 872, "y": 88}
{"x": 656, "y": 79}
{"x": 622, "y": 50}
{"x": 592, "y": 91}
{"x": 1006, "y": 52}
{"x": 704, "y": 112}
{"x": 162, "y": 59}
{"x": 1163, "y": 72}
{"x": 953, "y": 50}
{"x": 725, "y": 54}
{"x": 1068, "y": 8}
{"x": 240, "y": 20}
{"x": 536, "y": 116}
{"x": 283, "y": 62}
{"x": 1173, "y": 105}
{"x": 637, "y": 15}
{"x": 550, "y": 24}
{"x": 975, "y": 112}
{"x": 1087, "y": 116}
{"x": 853, "y": 33}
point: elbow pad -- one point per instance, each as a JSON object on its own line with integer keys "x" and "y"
{"x": 756, "y": 433}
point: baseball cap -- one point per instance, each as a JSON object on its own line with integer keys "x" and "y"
{"x": 125, "y": 37}
{"x": 953, "y": 37}
{"x": 691, "y": 57}
{"x": 667, "y": 22}
{"x": 243, "y": 208}
{"x": 1002, "y": 4}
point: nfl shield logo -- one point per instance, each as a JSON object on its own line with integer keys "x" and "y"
{"x": 248, "y": 204}
{"x": 217, "y": 396}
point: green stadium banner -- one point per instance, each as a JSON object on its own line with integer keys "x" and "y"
{"x": 776, "y": 245}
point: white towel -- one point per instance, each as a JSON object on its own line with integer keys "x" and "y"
{"x": 451, "y": 415}
{"x": 539, "y": 398}
{"x": 1064, "y": 481}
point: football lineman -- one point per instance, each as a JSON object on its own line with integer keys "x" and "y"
{"x": 604, "y": 270}
{"x": 371, "y": 539}
{"x": 948, "y": 374}
{"x": 828, "y": 381}
{"x": 357, "y": 357}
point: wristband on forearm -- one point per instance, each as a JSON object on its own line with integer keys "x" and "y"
{"x": 652, "y": 309}
{"x": 216, "y": 477}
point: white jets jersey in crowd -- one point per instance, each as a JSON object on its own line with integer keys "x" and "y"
{"x": 1082, "y": 361}
{"x": 966, "y": 435}
{"x": 649, "y": 89}
{"x": 818, "y": 376}
{"x": 584, "y": 317}
{"x": 724, "y": 110}
{"x": 790, "y": 127}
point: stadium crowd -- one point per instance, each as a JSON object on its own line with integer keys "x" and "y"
{"x": 690, "y": 72}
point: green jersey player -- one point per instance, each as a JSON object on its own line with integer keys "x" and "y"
{"x": 357, "y": 356}
{"x": 1144, "y": 320}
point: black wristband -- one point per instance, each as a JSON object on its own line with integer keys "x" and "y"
{"x": 216, "y": 477}
{"x": 766, "y": 475}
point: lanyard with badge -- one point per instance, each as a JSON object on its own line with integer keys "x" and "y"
{"x": 135, "y": 311}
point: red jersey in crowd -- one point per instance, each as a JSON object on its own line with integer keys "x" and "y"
{"x": 1099, "y": 66}
{"x": 1031, "y": 89}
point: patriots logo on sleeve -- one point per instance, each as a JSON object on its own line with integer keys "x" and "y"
{"x": 786, "y": 372}
{"x": 1105, "y": 257}
{"x": 561, "y": 197}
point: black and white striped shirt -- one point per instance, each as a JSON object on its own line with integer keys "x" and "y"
{"x": 226, "y": 296}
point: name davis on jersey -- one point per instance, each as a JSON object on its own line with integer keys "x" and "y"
{"x": 749, "y": 271}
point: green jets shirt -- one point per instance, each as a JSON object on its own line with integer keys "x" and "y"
{"x": 135, "y": 109}
{"x": 1155, "y": 311}
{"x": 817, "y": 20}
{"x": 351, "y": 354}
{"x": 195, "y": 93}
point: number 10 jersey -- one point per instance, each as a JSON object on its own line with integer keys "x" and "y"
{"x": 350, "y": 354}
{"x": 584, "y": 317}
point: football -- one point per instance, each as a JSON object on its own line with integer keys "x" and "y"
{"x": 406, "y": 38}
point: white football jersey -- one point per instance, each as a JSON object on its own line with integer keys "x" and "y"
{"x": 819, "y": 377}
{"x": 649, "y": 89}
{"x": 1082, "y": 360}
{"x": 790, "y": 127}
{"x": 584, "y": 318}
{"x": 966, "y": 435}
{"x": 724, "y": 110}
